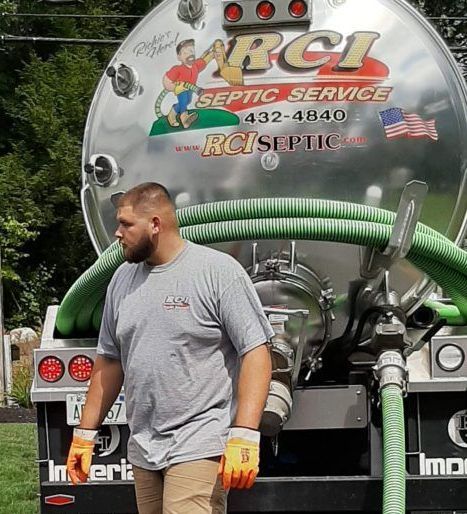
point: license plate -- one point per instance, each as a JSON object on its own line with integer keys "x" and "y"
{"x": 75, "y": 404}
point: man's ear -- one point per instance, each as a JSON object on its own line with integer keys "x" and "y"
{"x": 156, "y": 224}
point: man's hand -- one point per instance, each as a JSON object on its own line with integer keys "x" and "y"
{"x": 80, "y": 455}
{"x": 240, "y": 463}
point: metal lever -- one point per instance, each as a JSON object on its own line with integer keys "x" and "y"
{"x": 408, "y": 214}
{"x": 301, "y": 313}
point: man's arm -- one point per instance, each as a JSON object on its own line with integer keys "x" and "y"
{"x": 240, "y": 463}
{"x": 106, "y": 383}
{"x": 253, "y": 387}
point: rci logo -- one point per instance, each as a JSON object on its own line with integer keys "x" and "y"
{"x": 176, "y": 302}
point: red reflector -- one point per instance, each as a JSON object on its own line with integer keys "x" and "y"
{"x": 233, "y": 12}
{"x": 59, "y": 499}
{"x": 298, "y": 8}
{"x": 265, "y": 10}
{"x": 51, "y": 369}
{"x": 80, "y": 368}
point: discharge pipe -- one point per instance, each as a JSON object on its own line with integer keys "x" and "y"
{"x": 391, "y": 371}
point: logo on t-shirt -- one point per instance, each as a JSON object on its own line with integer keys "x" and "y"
{"x": 176, "y": 302}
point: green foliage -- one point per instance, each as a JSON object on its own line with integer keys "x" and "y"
{"x": 454, "y": 31}
{"x": 21, "y": 386}
{"x": 45, "y": 94}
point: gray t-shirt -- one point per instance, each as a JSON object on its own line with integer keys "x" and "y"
{"x": 179, "y": 330}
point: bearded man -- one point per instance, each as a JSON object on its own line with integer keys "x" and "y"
{"x": 184, "y": 332}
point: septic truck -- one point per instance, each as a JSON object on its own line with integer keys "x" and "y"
{"x": 322, "y": 144}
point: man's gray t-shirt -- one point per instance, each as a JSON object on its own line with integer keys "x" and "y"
{"x": 179, "y": 330}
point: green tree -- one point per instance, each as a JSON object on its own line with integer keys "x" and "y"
{"x": 454, "y": 31}
{"x": 46, "y": 91}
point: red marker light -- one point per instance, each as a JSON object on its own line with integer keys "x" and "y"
{"x": 59, "y": 499}
{"x": 265, "y": 10}
{"x": 298, "y": 8}
{"x": 80, "y": 368}
{"x": 51, "y": 369}
{"x": 233, "y": 12}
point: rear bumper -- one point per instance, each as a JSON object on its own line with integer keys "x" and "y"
{"x": 347, "y": 494}
{"x": 281, "y": 495}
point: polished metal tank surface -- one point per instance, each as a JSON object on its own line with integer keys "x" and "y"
{"x": 349, "y": 103}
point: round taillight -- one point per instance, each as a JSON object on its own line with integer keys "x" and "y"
{"x": 265, "y": 10}
{"x": 80, "y": 368}
{"x": 233, "y": 12}
{"x": 298, "y": 8}
{"x": 51, "y": 369}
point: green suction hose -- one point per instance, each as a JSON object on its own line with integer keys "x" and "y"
{"x": 433, "y": 253}
{"x": 393, "y": 450}
{"x": 95, "y": 278}
{"x": 450, "y": 313}
{"x": 343, "y": 231}
{"x": 97, "y": 314}
{"x": 252, "y": 208}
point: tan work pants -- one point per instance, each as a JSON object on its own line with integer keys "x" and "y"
{"x": 186, "y": 488}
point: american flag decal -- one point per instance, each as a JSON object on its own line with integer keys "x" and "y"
{"x": 398, "y": 123}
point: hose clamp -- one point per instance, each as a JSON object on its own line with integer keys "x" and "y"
{"x": 391, "y": 369}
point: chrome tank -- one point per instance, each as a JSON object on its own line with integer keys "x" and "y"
{"x": 376, "y": 55}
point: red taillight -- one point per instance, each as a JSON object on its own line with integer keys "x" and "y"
{"x": 233, "y": 12}
{"x": 51, "y": 369}
{"x": 298, "y": 8}
{"x": 80, "y": 368}
{"x": 265, "y": 10}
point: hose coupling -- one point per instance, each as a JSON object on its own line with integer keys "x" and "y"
{"x": 391, "y": 369}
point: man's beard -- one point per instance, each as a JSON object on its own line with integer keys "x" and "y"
{"x": 140, "y": 252}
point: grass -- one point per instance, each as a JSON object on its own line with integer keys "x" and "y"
{"x": 207, "y": 118}
{"x": 19, "y": 473}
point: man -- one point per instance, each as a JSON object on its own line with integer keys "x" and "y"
{"x": 181, "y": 80}
{"x": 184, "y": 331}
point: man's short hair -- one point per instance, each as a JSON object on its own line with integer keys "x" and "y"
{"x": 146, "y": 194}
{"x": 182, "y": 44}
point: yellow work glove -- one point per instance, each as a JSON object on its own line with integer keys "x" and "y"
{"x": 80, "y": 454}
{"x": 179, "y": 88}
{"x": 240, "y": 463}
